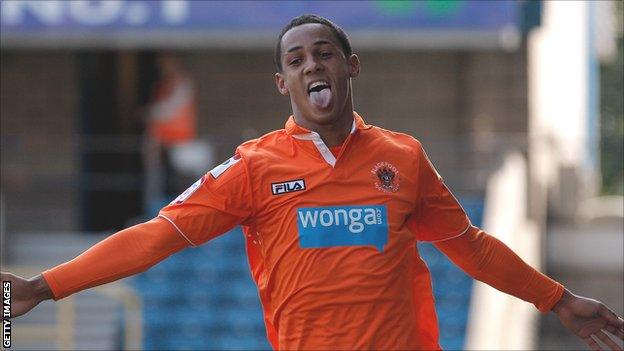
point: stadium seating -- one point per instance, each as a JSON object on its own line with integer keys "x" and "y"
{"x": 204, "y": 298}
{"x": 451, "y": 286}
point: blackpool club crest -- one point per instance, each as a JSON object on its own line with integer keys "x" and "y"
{"x": 386, "y": 177}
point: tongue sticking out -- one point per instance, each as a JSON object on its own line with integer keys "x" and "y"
{"x": 321, "y": 99}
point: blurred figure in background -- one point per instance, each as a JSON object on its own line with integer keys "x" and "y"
{"x": 171, "y": 128}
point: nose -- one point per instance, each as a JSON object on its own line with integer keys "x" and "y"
{"x": 313, "y": 65}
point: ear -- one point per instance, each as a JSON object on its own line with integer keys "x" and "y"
{"x": 354, "y": 65}
{"x": 281, "y": 84}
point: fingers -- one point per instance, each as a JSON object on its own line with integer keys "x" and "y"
{"x": 607, "y": 341}
{"x": 592, "y": 343}
{"x": 615, "y": 331}
{"x": 611, "y": 317}
{"x": 615, "y": 324}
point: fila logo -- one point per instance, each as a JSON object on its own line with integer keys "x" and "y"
{"x": 287, "y": 187}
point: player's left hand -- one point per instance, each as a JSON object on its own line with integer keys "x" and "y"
{"x": 590, "y": 320}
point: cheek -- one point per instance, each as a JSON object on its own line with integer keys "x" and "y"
{"x": 295, "y": 89}
{"x": 343, "y": 87}
{"x": 343, "y": 81}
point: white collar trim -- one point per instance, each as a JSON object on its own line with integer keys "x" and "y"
{"x": 320, "y": 145}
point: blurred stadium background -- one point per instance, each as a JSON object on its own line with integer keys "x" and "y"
{"x": 518, "y": 103}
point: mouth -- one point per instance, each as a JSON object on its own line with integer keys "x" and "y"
{"x": 320, "y": 94}
{"x": 318, "y": 86}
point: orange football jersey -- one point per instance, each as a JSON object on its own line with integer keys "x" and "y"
{"x": 331, "y": 240}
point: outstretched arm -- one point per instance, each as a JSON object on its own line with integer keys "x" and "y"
{"x": 125, "y": 253}
{"x": 487, "y": 259}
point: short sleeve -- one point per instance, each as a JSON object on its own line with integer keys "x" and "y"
{"x": 216, "y": 203}
{"x": 438, "y": 214}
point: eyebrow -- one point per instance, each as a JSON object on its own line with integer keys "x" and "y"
{"x": 318, "y": 42}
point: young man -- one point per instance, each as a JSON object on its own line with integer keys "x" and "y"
{"x": 332, "y": 209}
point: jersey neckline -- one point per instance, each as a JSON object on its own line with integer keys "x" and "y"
{"x": 301, "y": 133}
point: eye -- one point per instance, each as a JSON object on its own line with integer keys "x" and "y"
{"x": 295, "y": 61}
{"x": 326, "y": 54}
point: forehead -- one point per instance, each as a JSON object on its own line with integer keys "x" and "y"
{"x": 306, "y": 35}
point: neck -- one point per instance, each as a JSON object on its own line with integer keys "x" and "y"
{"x": 335, "y": 131}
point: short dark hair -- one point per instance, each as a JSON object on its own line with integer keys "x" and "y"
{"x": 342, "y": 37}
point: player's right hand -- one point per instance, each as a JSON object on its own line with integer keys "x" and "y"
{"x": 26, "y": 293}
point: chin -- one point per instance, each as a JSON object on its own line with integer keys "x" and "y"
{"x": 324, "y": 117}
{"x": 317, "y": 116}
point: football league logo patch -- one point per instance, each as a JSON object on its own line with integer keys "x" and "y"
{"x": 386, "y": 177}
{"x": 217, "y": 171}
{"x": 188, "y": 192}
